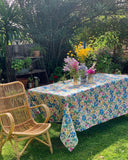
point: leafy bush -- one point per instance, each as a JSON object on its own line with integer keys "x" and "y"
{"x": 109, "y": 40}
{"x": 124, "y": 67}
{"x": 90, "y": 59}
{"x": 19, "y": 64}
{"x": 56, "y": 75}
{"x": 106, "y": 62}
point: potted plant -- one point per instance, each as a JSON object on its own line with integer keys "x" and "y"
{"x": 36, "y": 50}
{"x": 27, "y": 62}
{"x": 17, "y": 64}
{"x": 30, "y": 82}
{"x": 21, "y": 66}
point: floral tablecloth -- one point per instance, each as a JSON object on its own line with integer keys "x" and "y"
{"x": 83, "y": 106}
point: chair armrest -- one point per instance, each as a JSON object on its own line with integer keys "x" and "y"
{"x": 12, "y": 123}
{"x": 46, "y": 110}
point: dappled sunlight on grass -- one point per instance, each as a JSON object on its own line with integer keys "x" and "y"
{"x": 107, "y": 141}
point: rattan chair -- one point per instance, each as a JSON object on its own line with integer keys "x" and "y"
{"x": 17, "y": 124}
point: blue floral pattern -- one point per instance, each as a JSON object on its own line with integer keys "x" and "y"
{"x": 83, "y": 106}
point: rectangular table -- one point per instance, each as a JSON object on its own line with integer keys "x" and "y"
{"x": 83, "y": 106}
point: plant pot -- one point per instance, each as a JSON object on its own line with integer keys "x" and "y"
{"x": 36, "y": 53}
{"x": 30, "y": 85}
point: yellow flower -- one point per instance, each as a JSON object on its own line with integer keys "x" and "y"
{"x": 82, "y": 53}
{"x": 71, "y": 55}
{"x": 67, "y": 53}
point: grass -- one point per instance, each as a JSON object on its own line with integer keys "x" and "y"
{"x": 107, "y": 141}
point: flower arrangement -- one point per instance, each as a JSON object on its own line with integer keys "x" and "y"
{"x": 92, "y": 69}
{"x": 82, "y": 53}
{"x": 72, "y": 66}
{"x": 75, "y": 62}
{"x": 90, "y": 72}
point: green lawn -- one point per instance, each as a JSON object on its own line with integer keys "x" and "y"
{"x": 107, "y": 141}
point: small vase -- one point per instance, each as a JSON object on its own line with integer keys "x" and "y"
{"x": 83, "y": 73}
{"x": 75, "y": 81}
{"x": 90, "y": 78}
{"x": 83, "y": 80}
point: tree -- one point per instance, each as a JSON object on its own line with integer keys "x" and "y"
{"x": 51, "y": 23}
{"x": 113, "y": 19}
{"x": 9, "y": 22}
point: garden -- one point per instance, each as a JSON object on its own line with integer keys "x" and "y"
{"x": 54, "y": 41}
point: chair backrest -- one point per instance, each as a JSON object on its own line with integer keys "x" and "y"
{"x": 13, "y": 99}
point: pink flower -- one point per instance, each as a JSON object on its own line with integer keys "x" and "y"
{"x": 75, "y": 65}
{"x": 71, "y": 63}
{"x": 91, "y": 71}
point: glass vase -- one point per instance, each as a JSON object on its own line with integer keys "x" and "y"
{"x": 83, "y": 79}
{"x": 90, "y": 78}
{"x": 83, "y": 73}
{"x": 75, "y": 81}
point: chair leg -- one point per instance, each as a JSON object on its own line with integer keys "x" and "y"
{"x": 0, "y": 148}
{"x": 16, "y": 148}
{"x": 1, "y": 141}
{"x": 49, "y": 141}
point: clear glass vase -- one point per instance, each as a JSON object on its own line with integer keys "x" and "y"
{"x": 83, "y": 73}
{"x": 75, "y": 81}
{"x": 83, "y": 79}
{"x": 90, "y": 78}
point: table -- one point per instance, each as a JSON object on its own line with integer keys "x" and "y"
{"x": 83, "y": 106}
